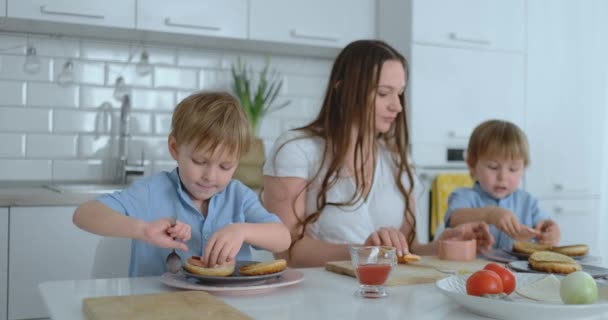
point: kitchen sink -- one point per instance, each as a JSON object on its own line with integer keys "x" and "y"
{"x": 84, "y": 187}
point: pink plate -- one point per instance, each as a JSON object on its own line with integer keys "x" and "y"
{"x": 179, "y": 280}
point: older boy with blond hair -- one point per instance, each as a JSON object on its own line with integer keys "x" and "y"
{"x": 218, "y": 218}
{"x": 497, "y": 155}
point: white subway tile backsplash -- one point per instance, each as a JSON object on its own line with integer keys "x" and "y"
{"x": 84, "y": 72}
{"x": 153, "y": 99}
{"x": 11, "y": 68}
{"x": 24, "y": 119}
{"x": 13, "y": 44}
{"x": 198, "y": 58}
{"x": 51, "y": 95}
{"x": 155, "y": 148}
{"x": 76, "y": 121}
{"x": 130, "y": 76}
{"x": 12, "y": 92}
{"x": 158, "y": 55}
{"x": 162, "y": 123}
{"x": 92, "y": 146}
{"x": 75, "y": 170}
{"x": 94, "y": 97}
{"x": 25, "y": 169}
{"x": 105, "y": 51}
{"x": 141, "y": 123}
{"x": 215, "y": 79}
{"x": 304, "y": 86}
{"x": 179, "y": 78}
{"x": 50, "y": 146}
{"x": 48, "y": 131}
{"x": 56, "y": 46}
{"x": 12, "y": 145}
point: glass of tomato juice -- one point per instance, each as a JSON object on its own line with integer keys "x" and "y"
{"x": 372, "y": 265}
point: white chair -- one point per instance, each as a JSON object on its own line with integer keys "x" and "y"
{"x": 112, "y": 258}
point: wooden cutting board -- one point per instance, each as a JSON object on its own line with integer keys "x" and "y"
{"x": 427, "y": 270}
{"x": 183, "y": 305}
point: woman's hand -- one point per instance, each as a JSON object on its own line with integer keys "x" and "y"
{"x": 391, "y": 237}
{"x": 471, "y": 230}
{"x": 224, "y": 245}
{"x": 161, "y": 234}
{"x": 548, "y": 232}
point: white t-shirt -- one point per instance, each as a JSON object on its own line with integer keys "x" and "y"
{"x": 383, "y": 207}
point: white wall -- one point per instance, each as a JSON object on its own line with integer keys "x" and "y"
{"x": 48, "y": 131}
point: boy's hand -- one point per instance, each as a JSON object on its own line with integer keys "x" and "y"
{"x": 471, "y": 230}
{"x": 160, "y": 233}
{"x": 548, "y": 232}
{"x": 506, "y": 221}
{"x": 390, "y": 237}
{"x": 224, "y": 245}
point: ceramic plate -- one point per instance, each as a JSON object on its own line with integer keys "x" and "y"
{"x": 236, "y": 277}
{"x": 454, "y": 287}
{"x": 179, "y": 280}
{"x": 594, "y": 271}
{"x": 525, "y": 256}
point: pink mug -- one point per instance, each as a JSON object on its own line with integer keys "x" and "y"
{"x": 458, "y": 250}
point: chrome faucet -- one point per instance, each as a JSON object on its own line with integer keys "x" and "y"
{"x": 125, "y": 169}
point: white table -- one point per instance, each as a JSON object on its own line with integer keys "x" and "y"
{"x": 322, "y": 295}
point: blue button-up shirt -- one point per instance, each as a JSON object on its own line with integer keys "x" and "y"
{"x": 521, "y": 203}
{"x": 161, "y": 196}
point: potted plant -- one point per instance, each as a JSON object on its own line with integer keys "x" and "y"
{"x": 256, "y": 96}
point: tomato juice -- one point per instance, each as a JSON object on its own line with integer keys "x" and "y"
{"x": 373, "y": 274}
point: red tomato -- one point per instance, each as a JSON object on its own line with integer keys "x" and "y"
{"x": 508, "y": 278}
{"x": 484, "y": 282}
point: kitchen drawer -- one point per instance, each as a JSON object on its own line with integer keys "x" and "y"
{"x": 226, "y": 18}
{"x": 314, "y": 22}
{"x": 484, "y": 24}
{"x": 578, "y": 220}
{"x": 109, "y": 13}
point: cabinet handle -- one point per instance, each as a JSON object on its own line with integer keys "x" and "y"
{"x": 560, "y": 210}
{"x": 296, "y": 34}
{"x": 170, "y": 23}
{"x": 558, "y": 187}
{"x": 44, "y": 10}
{"x": 454, "y": 37}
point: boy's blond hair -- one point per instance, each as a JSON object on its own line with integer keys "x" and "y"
{"x": 212, "y": 120}
{"x": 497, "y": 139}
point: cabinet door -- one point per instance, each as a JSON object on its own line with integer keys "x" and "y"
{"x": 3, "y": 261}
{"x": 490, "y": 24}
{"x": 227, "y": 18}
{"x": 315, "y": 22}
{"x": 44, "y": 246}
{"x": 578, "y": 220}
{"x": 453, "y": 90}
{"x": 3, "y": 8}
{"x": 565, "y": 98}
{"x": 110, "y": 13}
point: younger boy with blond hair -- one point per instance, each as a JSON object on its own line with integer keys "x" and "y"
{"x": 217, "y": 218}
{"x": 497, "y": 155}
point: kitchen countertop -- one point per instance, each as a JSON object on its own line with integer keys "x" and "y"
{"x": 32, "y": 193}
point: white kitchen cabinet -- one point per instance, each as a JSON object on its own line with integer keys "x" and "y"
{"x": 109, "y": 13}
{"x": 483, "y": 24}
{"x": 453, "y": 90}
{"x": 577, "y": 220}
{"x": 3, "y": 8}
{"x": 565, "y": 98}
{"x": 3, "y": 261}
{"x": 314, "y": 22}
{"x": 45, "y": 246}
{"x": 227, "y": 18}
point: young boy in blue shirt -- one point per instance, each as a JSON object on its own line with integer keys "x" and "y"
{"x": 217, "y": 218}
{"x": 497, "y": 155}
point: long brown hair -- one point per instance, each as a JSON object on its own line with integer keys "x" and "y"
{"x": 349, "y": 106}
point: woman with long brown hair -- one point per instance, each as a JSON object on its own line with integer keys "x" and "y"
{"x": 345, "y": 177}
